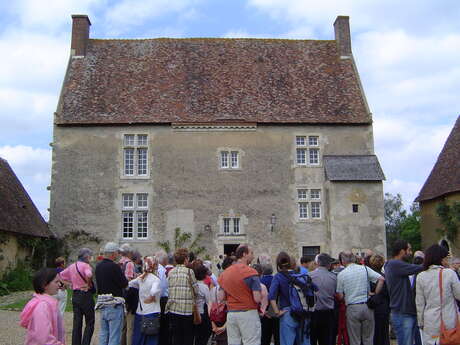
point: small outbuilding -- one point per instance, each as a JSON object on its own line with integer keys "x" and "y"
{"x": 442, "y": 186}
{"x": 19, "y": 219}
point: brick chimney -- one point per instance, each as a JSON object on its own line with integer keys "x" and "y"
{"x": 342, "y": 35}
{"x": 80, "y": 34}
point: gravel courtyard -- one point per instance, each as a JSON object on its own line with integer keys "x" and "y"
{"x": 13, "y": 334}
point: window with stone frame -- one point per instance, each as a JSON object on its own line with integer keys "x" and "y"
{"x": 307, "y": 150}
{"x": 135, "y": 155}
{"x": 229, "y": 159}
{"x": 231, "y": 226}
{"x": 135, "y": 216}
{"x": 309, "y": 203}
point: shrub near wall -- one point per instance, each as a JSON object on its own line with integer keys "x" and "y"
{"x": 16, "y": 279}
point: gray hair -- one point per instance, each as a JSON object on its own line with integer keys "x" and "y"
{"x": 161, "y": 256}
{"x": 347, "y": 257}
{"x": 84, "y": 254}
{"x": 125, "y": 249}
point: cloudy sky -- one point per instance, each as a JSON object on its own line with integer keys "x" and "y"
{"x": 407, "y": 52}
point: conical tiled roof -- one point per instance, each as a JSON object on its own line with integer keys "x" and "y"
{"x": 445, "y": 176}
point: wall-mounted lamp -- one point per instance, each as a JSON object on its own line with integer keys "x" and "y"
{"x": 207, "y": 227}
{"x": 272, "y": 221}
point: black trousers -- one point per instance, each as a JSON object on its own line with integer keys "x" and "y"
{"x": 270, "y": 327}
{"x": 382, "y": 329}
{"x": 322, "y": 327}
{"x": 181, "y": 329}
{"x": 165, "y": 338}
{"x": 203, "y": 331}
{"x": 83, "y": 306}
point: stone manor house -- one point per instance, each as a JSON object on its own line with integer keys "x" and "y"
{"x": 260, "y": 141}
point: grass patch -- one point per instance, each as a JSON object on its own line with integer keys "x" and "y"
{"x": 19, "y": 305}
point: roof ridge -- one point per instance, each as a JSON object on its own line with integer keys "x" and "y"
{"x": 209, "y": 39}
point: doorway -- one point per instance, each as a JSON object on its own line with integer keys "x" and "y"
{"x": 230, "y": 249}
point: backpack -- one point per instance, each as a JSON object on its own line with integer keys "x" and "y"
{"x": 301, "y": 295}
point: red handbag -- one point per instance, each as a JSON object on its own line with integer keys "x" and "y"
{"x": 218, "y": 313}
{"x": 448, "y": 336}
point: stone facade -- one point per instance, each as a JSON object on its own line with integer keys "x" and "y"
{"x": 187, "y": 187}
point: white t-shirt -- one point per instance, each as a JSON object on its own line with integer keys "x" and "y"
{"x": 149, "y": 286}
{"x": 203, "y": 296}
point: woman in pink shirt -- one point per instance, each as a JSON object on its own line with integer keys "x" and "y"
{"x": 41, "y": 316}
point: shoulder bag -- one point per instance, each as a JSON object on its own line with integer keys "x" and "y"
{"x": 195, "y": 311}
{"x": 218, "y": 312}
{"x": 89, "y": 281}
{"x": 448, "y": 336}
{"x": 149, "y": 326}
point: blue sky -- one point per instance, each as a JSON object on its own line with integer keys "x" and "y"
{"x": 407, "y": 52}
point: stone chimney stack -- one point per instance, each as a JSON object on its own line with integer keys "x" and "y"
{"x": 80, "y": 34}
{"x": 342, "y": 35}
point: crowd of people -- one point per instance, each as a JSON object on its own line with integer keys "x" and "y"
{"x": 177, "y": 299}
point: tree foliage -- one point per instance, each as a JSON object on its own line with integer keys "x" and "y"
{"x": 450, "y": 219}
{"x": 183, "y": 240}
{"x": 400, "y": 224}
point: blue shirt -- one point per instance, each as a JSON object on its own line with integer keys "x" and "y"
{"x": 280, "y": 288}
{"x": 303, "y": 270}
{"x": 266, "y": 280}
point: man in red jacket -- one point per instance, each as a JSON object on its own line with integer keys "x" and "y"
{"x": 241, "y": 286}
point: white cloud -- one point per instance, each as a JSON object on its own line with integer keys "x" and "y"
{"x": 129, "y": 13}
{"x": 52, "y": 15}
{"x": 32, "y": 166}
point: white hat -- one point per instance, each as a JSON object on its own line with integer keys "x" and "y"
{"x": 111, "y": 247}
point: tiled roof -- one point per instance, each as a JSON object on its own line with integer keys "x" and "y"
{"x": 353, "y": 168}
{"x": 17, "y": 211}
{"x": 445, "y": 176}
{"x": 211, "y": 80}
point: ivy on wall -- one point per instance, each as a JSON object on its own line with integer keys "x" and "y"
{"x": 449, "y": 216}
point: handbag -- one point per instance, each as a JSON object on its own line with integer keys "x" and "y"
{"x": 195, "y": 311}
{"x": 218, "y": 312}
{"x": 448, "y": 336}
{"x": 149, "y": 326}
{"x": 374, "y": 300}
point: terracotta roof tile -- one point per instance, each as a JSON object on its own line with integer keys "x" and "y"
{"x": 445, "y": 176}
{"x": 17, "y": 211}
{"x": 209, "y": 80}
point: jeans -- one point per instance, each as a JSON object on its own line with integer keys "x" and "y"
{"x": 292, "y": 332}
{"x": 142, "y": 339}
{"x": 404, "y": 327}
{"x": 111, "y": 324}
{"x": 83, "y": 306}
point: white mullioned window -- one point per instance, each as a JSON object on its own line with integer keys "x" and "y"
{"x": 236, "y": 225}
{"x": 231, "y": 226}
{"x": 226, "y": 225}
{"x": 224, "y": 159}
{"x": 303, "y": 210}
{"x": 135, "y": 154}
{"x": 307, "y": 150}
{"x": 134, "y": 215}
{"x": 309, "y": 203}
{"x": 229, "y": 159}
{"x": 234, "y": 155}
